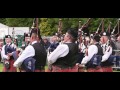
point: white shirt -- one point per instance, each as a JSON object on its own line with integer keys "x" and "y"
{"x": 107, "y": 54}
{"x": 28, "y": 52}
{"x": 61, "y": 51}
{"x": 3, "y": 53}
{"x": 91, "y": 51}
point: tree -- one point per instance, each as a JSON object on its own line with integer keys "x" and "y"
{"x": 3, "y": 20}
{"x": 49, "y": 26}
{"x": 19, "y": 22}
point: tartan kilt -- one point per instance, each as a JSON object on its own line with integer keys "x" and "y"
{"x": 81, "y": 69}
{"x": 107, "y": 69}
{"x": 39, "y": 70}
{"x": 11, "y": 69}
{"x": 96, "y": 69}
{"x": 34, "y": 71}
{"x": 58, "y": 69}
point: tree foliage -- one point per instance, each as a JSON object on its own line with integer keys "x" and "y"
{"x": 49, "y": 26}
{"x": 19, "y": 22}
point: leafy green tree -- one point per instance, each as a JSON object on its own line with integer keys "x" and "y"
{"x": 3, "y": 20}
{"x": 19, "y": 22}
{"x": 49, "y": 26}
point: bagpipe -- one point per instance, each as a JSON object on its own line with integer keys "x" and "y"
{"x": 94, "y": 61}
{"x": 111, "y": 61}
{"x": 59, "y": 33}
{"x": 82, "y": 39}
{"x": 82, "y": 36}
{"x": 112, "y": 58}
{"x": 101, "y": 24}
{"x": 35, "y": 27}
{"x": 60, "y": 28}
{"x": 10, "y": 49}
{"x": 11, "y": 52}
{"x": 29, "y": 63}
{"x": 114, "y": 29}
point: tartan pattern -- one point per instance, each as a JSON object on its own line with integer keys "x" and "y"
{"x": 107, "y": 69}
{"x": 58, "y": 69}
{"x": 97, "y": 69}
{"x": 11, "y": 69}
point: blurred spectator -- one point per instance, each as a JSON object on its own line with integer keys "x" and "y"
{"x": 118, "y": 46}
{"x": 46, "y": 43}
{"x": 117, "y": 53}
{"x": 54, "y": 44}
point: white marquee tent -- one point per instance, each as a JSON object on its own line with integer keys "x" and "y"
{"x": 6, "y": 30}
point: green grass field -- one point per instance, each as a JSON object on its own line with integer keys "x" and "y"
{"x": 1, "y": 67}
